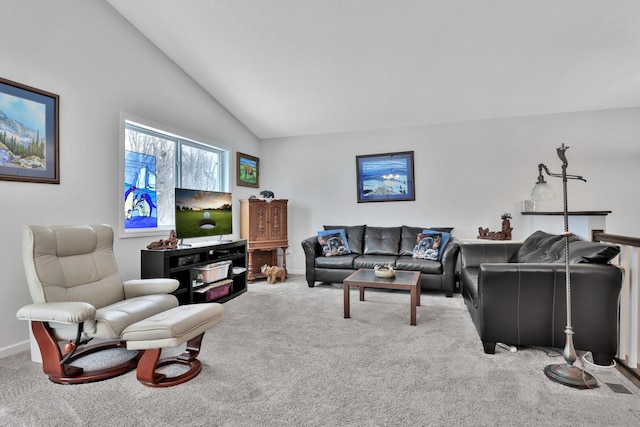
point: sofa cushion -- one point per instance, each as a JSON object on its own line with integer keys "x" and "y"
{"x": 583, "y": 251}
{"x": 382, "y": 240}
{"x": 541, "y": 247}
{"x": 336, "y": 262}
{"x": 408, "y": 239}
{"x": 333, "y": 242}
{"x": 370, "y": 261}
{"x": 544, "y": 247}
{"x": 355, "y": 236}
{"x": 410, "y": 234}
{"x": 424, "y": 266}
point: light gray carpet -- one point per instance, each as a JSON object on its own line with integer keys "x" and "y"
{"x": 284, "y": 355}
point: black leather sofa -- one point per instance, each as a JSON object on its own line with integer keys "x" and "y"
{"x": 516, "y": 293}
{"x": 371, "y": 246}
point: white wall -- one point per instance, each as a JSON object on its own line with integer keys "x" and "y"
{"x": 99, "y": 65}
{"x": 467, "y": 174}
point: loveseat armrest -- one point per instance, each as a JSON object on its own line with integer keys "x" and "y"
{"x": 70, "y": 312}
{"x": 476, "y": 253}
{"x": 312, "y": 250}
{"x": 140, "y": 287}
{"x": 534, "y": 277}
{"x": 449, "y": 265}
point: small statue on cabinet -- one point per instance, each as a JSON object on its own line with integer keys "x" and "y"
{"x": 266, "y": 194}
{"x": 504, "y": 234}
{"x": 170, "y": 243}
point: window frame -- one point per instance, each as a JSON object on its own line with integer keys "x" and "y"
{"x": 181, "y": 137}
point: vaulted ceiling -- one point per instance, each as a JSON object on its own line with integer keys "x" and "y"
{"x": 303, "y": 67}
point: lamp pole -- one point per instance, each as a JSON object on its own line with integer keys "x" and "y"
{"x": 567, "y": 374}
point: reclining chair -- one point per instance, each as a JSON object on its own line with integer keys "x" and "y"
{"x": 78, "y": 295}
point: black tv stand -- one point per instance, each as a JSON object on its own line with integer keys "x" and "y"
{"x": 180, "y": 263}
{"x": 182, "y": 245}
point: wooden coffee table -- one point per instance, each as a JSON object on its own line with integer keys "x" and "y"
{"x": 365, "y": 278}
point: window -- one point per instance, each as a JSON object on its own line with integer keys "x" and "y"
{"x": 154, "y": 162}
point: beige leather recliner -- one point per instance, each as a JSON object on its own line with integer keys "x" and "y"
{"x": 78, "y": 295}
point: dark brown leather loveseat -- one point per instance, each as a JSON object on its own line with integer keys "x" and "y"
{"x": 516, "y": 293}
{"x": 371, "y": 246}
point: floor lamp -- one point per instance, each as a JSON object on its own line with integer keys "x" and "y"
{"x": 563, "y": 373}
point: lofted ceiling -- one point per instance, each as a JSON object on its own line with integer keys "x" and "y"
{"x": 304, "y": 67}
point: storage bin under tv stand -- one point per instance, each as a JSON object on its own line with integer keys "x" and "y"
{"x": 179, "y": 263}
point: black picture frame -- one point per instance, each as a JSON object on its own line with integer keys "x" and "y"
{"x": 29, "y": 134}
{"x": 387, "y": 177}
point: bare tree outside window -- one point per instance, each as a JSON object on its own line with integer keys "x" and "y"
{"x": 199, "y": 168}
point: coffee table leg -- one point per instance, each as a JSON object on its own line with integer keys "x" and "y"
{"x": 414, "y": 300}
{"x": 361, "y": 293}
{"x": 347, "y": 311}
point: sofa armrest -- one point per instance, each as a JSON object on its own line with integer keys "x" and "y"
{"x": 495, "y": 278}
{"x": 532, "y": 273}
{"x": 450, "y": 264}
{"x": 140, "y": 287}
{"x": 476, "y": 253}
{"x": 311, "y": 249}
{"x": 59, "y": 312}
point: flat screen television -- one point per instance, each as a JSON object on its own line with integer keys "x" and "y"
{"x": 201, "y": 213}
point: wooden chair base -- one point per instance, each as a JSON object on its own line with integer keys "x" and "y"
{"x": 151, "y": 361}
{"x": 69, "y": 374}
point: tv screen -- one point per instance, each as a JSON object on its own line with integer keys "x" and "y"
{"x": 201, "y": 213}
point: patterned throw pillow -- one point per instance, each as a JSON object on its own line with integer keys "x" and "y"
{"x": 444, "y": 236}
{"x": 427, "y": 246}
{"x": 333, "y": 242}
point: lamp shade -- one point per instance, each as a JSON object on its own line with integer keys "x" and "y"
{"x": 542, "y": 191}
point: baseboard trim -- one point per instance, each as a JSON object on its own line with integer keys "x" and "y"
{"x": 296, "y": 272}
{"x": 14, "y": 348}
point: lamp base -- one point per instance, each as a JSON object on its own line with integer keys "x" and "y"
{"x": 570, "y": 375}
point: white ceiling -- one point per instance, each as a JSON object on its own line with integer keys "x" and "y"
{"x": 302, "y": 67}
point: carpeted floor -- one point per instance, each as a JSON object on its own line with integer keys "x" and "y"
{"x": 284, "y": 356}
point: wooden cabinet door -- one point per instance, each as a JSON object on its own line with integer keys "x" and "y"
{"x": 259, "y": 221}
{"x": 265, "y": 221}
{"x": 277, "y": 220}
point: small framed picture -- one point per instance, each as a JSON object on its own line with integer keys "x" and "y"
{"x": 29, "y": 140}
{"x": 385, "y": 177}
{"x": 248, "y": 171}
{"x": 528, "y": 206}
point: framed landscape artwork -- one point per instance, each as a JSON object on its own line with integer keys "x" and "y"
{"x": 385, "y": 177}
{"x": 28, "y": 134}
{"x": 248, "y": 171}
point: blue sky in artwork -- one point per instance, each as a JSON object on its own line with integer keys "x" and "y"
{"x": 30, "y": 113}
{"x": 382, "y": 167}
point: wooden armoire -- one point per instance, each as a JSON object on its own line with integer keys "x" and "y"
{"x": 263, "y": 224}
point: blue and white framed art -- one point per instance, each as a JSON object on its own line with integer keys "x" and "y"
{"x": 385, "y": 177}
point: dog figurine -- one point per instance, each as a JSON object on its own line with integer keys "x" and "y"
{"x": 170, "y": 243}
{"x": 274, "y": 273}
